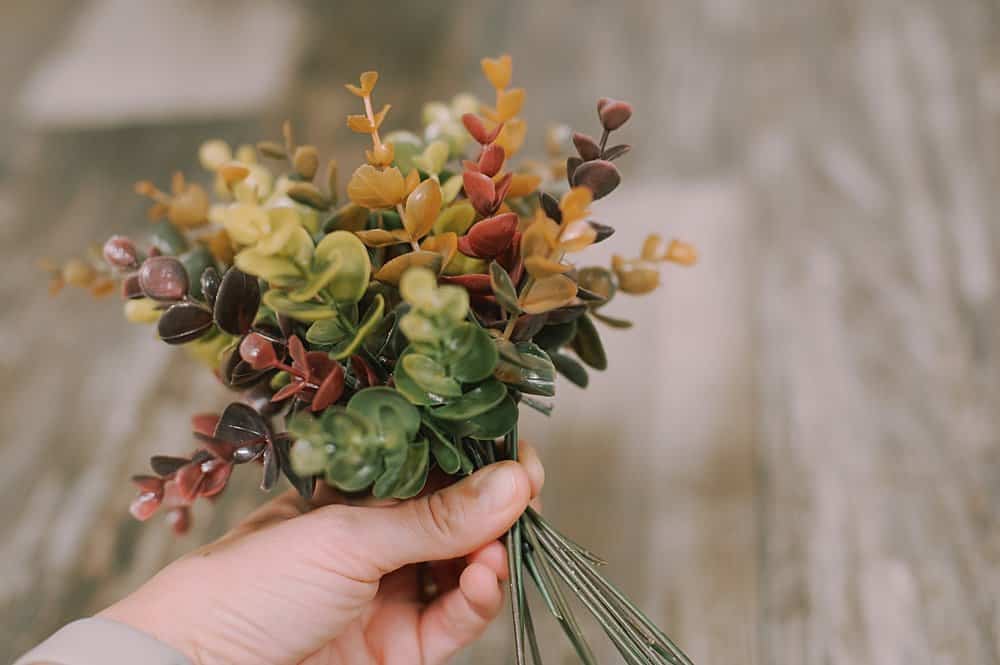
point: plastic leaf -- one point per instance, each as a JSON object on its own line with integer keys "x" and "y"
{"x": 549, "y": 293}
{"x": 540, "y": 266}
{"x": 479, "y": 400}
{"x": 183, "y": 323}
{"x": 523, "y": 184}
{"x": 456, "y": 219}
{"x": 367, "y": 325}
{"x": 571, "y": 369}
{"x": 392, "y": 271}
{"x": 368, "y": 81}
{"x": 383, "y": 237}
{"x": 350, "y": 281}
{"x": 278, "y": 270}
{"x": 586, "y": 147}
{"x": 237, "y": 302}
{"x": 300, "y": 311}
{"x": 422, "y": 208}
{"x": 577, "y": 236}
{"x": 498, "y": 70}
{"x": 575, "y": 204}
{"x": 395, "y": 419}
{"x": 599, "y": 176}
{"x": 509, "y": 103}
{"x": 445, "y": 244}
{"x": 489, "y": 237}
{"x": 481, "y": 191}
{"x": 503, "y": 288}
{"x": 430, "y": 376}
{"x": 475, "y": 354}
{"x": 163, "y": 278}
{"x": 588, "y": 346}
{"x": 511, "y": 136}
{"x": 374, "y": 188}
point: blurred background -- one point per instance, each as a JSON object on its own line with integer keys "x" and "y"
{"x": 793, "y": 457}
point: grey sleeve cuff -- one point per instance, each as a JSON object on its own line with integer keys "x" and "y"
{"x": 99, "y": 641}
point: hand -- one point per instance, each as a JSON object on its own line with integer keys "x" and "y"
{"x": 343, "y": 584}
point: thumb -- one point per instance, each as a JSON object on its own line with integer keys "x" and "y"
{"x": 446, "y": 524}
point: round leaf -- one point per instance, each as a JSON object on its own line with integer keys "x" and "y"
{"x": 474, "y": 353}
{"x": 422, "y": 208}
{"x": 549, "y": 293}
{"x": 163, "y": 278}
{"x": 353, "y": 265}
{"x": 237, "y": 302}
{"x": 430, "y": 376}
{"x": 479, "y": 400}
{"x": 184, "y": 322}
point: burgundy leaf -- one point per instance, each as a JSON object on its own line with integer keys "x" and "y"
{"x": 551, "y": 206}
{"x": 616, "y": 151}
{"x": 210, "y": 281}
{"x": 289, "y": 389}
{"x": 163, "y": 278}
{"x": 364, "y": 371}
{"x": 188, "y": 480}
{"x": 236, "y": 302}
{"x": 258, "y": 351}
{"x": 236, "y": 372}
{"x": 586, "y": 146}
{"x": 298, "y": 353}
{"x": 572, "y": 164}
{"x": 184, "y": 322}
{"x": 603, "y": 231}
{"x": 240, "y": 423}
{"x": 131, "y": 289}
{"x": 204, "y": 424}
{"x": 120, "y": 252}
{"x": 599, "y": 176}
{"x": 613, "y": 113}
{"x": 164, "y": 465}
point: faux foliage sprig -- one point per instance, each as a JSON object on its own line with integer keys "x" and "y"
{"x": 395, "y": 335}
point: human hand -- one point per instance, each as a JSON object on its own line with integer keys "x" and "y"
{"x": 343, "y": 584}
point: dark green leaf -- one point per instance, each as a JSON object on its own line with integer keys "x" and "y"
{"x": 396, "y": 421}
{"x": 588, "y": 346}
{"x": 503, "y": 288}
{"x": 413, "y": 474}
{"x": 555, "y": 336}
{"x": 168, "y": 239}
{"x": 409, "y": 388}
{"x": 195, "y": 263}
{"x": 490, "y": 425}
{"x": 571, "y": 369}
{"x": 430, "y": 375}
{"x": 528, "y": 369}
{"x": 475, "y": 354}
{"x": 612, "y": 321}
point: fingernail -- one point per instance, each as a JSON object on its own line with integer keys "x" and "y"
{"x": 495, "y": 485}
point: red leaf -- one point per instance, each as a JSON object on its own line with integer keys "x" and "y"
{"x": 180, "y": 520}
{"x": 330, "y": 390}
{"x": 477, "y": 129}
{"x": 502, "y": 188}
{"x": 258, "y": 351}
{"x": 144, "y": 505}
{"x": 490, "y": 237}
{"x": 473, "y": 283}
{"x": 216, "y": 476}
{"x": 491, "y": 159}
{"x": 363, "y": 371}
{"x": 298, "y": 353}
{"x": 293, "y": 388}
{"x": 188, "y": 480}
{"x": 480, "y": 190}
{"x": 204, "y": 423}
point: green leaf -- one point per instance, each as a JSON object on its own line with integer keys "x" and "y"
{"x": 474, "y": 354}
{"x": 503, "y": 288}
{"x": 372, "y": 317}
{"x": 327, "y": 332}
{"x": 353, "y": 273}
{"x": 306, "y": 312}
{"x": 587, "y": 344}
{"x": 352, "y": 469}
{"x": 612, "y": 321}
{"x": 168, "y": 238}
{"x": 396, "y": 421}
{"x": 571, "y": 369}
{"x": 447, "y": 453}
{"x": 393, "y": 461}
{"x": 409, "y": 388}
{"x": 430, "y": 375}
{"x": 413, "y": 475}
{"x": 480, "y": 399}
{"x": 195, "y": 262}
{"x": 527, "y": 368}
{"x": 494, "y": 423}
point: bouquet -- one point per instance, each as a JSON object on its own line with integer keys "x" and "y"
{"x": 398, "y": 332}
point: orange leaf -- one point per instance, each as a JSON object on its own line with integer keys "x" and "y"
{"x": 374, "y": 188}
{"x": 523, "y": 184}
{"x": 574, "y": 204}
{"x": 498, "y": 71}
{"x": 422, "y": 208}
{"x": 368, "y": 81}
{"x": 383, "y": 237}
{"x": 509, "y": 103}
{"x": 549, "y": 293}
{"x": 577, "y": 236}
{"x": 540, "y": 266}
{"x": 393, "y": 271}
{"x": 445, "y": 244}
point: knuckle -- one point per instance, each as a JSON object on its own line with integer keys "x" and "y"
{"x": 442, "y": 515}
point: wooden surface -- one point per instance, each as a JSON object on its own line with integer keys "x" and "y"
{"x": 792, "y": 459}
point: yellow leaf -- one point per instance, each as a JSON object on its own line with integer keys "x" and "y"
{"x": 433, "y": 158}
{"x": 540, "y": 266}
{"x": 380, "y": 116}
{"x": 277, "y": 270}
{"x": 422, "y": 208}
{"x": 652, "y": 248}
{"x": 549, "y": 293}
{"x": 383, "y": 237}
{"x": 374, "y": 188}
{"x": 574, "y": 204}
{"x": 393, "y": 271}
{"x": 509, "y": 103}
{"x": 512, "y": 135}
{"x": 457, "y": 218}
{"x": 461, "y": 264}
{"x": 682, "y": 253}
{"x": 451, "y": 187}
{"x": 445, "y": 244}
{"x": 368, "y": 81}
{"x": 577, "y": 236}
{"x": 539, "y": 239}
{"x": 635, "y": 277}
{"x": 246, "y": 223}
{"x": 282, "y": 223}
{"x": 498, "y": 70}
{"x": 523, "y": 184}
{"x": 359, "y": 124}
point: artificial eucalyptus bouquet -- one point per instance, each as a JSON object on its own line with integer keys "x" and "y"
{"x": 399, "y": 332}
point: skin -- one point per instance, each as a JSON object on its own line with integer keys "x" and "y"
{"x": 330, "y": 583}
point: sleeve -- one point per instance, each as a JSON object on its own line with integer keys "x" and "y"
{"x": 98, "y": 641}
